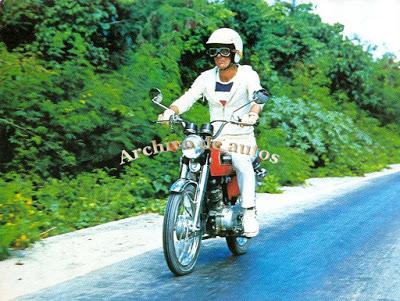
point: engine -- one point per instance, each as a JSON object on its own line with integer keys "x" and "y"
{"x": 223, "y": 218}
{"x": 228, "y": 219}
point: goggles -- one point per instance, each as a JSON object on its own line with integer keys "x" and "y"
{"x": 223, "y": 51}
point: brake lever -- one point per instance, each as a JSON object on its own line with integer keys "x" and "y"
{"x": 246, "y": 124}
{"x": 171, "y": 120}
{"x": 174, "y": 119}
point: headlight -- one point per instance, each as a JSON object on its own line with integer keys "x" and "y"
{"x": 192, "y": 146}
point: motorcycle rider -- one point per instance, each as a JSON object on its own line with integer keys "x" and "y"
{"x": 227, "y": 87}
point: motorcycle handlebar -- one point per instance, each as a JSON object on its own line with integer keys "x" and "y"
{"x": 178, "y": 119}
{"x": 183, "y": 122}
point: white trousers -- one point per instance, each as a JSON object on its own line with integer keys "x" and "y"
{"x": 242, "y": 158}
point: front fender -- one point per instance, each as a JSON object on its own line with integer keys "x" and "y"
{"x": 180, "y": 184}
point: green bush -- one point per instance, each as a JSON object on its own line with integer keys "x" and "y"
{"x": 270, "y": 185}
{"x": 329, "y": 137}
{"x": 293, "y": 166}
{"x": 33, "y": 209}
{"x": 20, "y": 220}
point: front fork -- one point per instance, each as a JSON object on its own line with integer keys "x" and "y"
{"x": 179, "y": 186}
{"x": 200, "y": 193}
{"x": 200, "y": 188}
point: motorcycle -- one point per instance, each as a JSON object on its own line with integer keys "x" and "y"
{"x": 205, "y": 201}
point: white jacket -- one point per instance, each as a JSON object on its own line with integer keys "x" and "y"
{"x": 245, "y": 82}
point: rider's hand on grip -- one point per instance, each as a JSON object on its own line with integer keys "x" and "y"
{"x": 249, "y": 118}
{"x": 166, "y": 115}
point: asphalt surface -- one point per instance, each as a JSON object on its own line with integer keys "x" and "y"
{"x": 347, "y": 249}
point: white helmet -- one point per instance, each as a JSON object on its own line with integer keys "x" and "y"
{"x": 227, "y": 36}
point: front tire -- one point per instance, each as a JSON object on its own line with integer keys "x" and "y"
{"x": 181, "y": 246}
{"x": 238, "y": 244}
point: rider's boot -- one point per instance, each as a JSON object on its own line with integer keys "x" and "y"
{"x": 250, "y": 224}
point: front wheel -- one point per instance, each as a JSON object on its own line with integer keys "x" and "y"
{"x": 181, "y": 244}
{"x": 238, "y": 244}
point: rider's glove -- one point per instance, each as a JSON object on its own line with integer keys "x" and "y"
{"x": 166, "y": 115}
{"x": 250, "y": 118}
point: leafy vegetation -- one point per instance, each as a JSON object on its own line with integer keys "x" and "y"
{"x": 74, "y": 77}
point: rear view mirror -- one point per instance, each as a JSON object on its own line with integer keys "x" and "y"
{"x": 260, "y": 96}
{"x": 155, "y": 95}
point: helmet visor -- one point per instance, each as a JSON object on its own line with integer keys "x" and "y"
{"x": 223, "y": 51}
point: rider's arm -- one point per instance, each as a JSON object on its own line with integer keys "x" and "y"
{"x": 184, "y": 103}
{"x": 175, "y": 109}
{"x": 256, "y": 108}
{"x": 253, "y": 115}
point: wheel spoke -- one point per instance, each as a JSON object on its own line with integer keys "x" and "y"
{"x": 184, "y": 254}
{"x": 189, "y": 213}
{"x": 185, "y": 241}
{"x": 187, "y": 208}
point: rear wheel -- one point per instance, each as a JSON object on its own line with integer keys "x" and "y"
{"x": 238, "y": 244}
{"x": 181, "y": 244}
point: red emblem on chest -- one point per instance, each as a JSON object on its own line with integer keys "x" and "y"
{"x": 223, "y": 102}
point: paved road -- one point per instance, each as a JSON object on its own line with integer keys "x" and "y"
{"x": 348, "y": 249}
